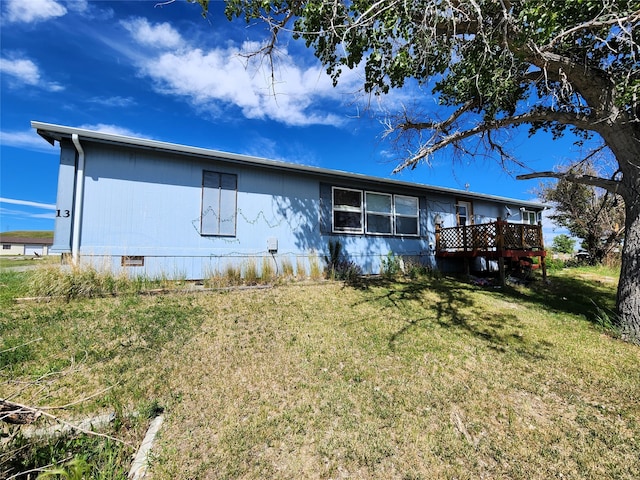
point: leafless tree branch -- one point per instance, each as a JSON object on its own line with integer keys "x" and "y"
{"x": 438, "y": 142}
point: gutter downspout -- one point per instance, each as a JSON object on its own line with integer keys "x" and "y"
{"x": 78, "y": 200}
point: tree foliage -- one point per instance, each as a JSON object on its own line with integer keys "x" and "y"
{"x": 590, "y": 213}
{"x": 563, "y": 243}
{"x": 497, "y": 63}
{"x": 548, "y": 65}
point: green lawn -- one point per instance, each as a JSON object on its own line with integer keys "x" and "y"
{"x": 29, "y": 260}
{"x": 409, "y": 379}
{"x": 30, "y": 233}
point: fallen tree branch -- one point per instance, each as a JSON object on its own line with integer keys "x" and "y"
{"x": 19, "y": 414}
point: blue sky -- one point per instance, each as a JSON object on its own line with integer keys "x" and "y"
{"x": 166, "y": 73}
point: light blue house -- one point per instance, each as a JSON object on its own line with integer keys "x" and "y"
{"x": 156, "y": 208}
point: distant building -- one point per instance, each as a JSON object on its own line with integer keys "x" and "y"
{"x": 23, "y": 245}
{"x": 158, "y": 208}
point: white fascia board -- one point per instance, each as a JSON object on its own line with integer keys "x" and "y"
{"x": 51, "y": 132}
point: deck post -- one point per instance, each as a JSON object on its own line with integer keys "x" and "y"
{"x": 540, "y": 237}
{"x": 438, "y": 227}
{"x": 464, "y": 237}
{"x": 500, "y": 250}
{"x": 543, "y": 256}
{"x": 543, "y": 263}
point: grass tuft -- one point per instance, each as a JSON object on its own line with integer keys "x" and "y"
{"x": 78, "y": 282}
{"x": 301, "y": 268}
{"x": 286, "y": 267}
{"x": 268, "y": 273}
{"x": 250, "y": 274}
{"x": 315, "y": 270}
{"x": 232, "y": 275}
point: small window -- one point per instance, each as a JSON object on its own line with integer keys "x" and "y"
{"x": 132, "y": 261}
{"x": 406, "y": 210}
{"x": 347, "y": 210}
{"x": 219, "y": 198}
{"x": 379, "y": 213}
{"x": 530, "y": 217}
{"x": 6, "y": 247}
{"x": 463, "y": 213}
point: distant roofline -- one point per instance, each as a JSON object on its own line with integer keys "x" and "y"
{"x": 11, "y": 239}
{"x": 51, "y": 132}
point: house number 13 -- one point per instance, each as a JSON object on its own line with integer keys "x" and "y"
{"x": 63, "y": 213}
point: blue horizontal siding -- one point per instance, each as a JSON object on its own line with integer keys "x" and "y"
{"x": 140, "y": 202}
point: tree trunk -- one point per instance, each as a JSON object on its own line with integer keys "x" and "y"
{"x": 624, "y": 141}
{"x": 591, "y": 244}
{"x": 628, "y": 301}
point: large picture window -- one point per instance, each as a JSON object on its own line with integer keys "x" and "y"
{"x": 375, "y": 213}
{"x": 219, "y": 197}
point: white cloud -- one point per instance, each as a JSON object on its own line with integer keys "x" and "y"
{"x": 23, "y": 69}
{"x": 116, "y": 101}
{"x": 28, "y": 139}
{"x": 28, "y": 203}
{"x": 223, "y": 77}
{"x": 80, "y": 6}
{"x": 161, "y": 35}
{"x": 47, "y": 216}
{"x": 114, "y": 129}
{"x": 6, "y": 212}
{"x": 26, "y": 72}
{"x": 31, "y": 11}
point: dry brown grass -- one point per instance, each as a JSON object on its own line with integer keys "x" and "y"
{"x": 396, "y": 382}
{"x": 429, "y": 378}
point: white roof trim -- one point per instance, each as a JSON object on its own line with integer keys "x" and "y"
{"x": 51, "y": 132}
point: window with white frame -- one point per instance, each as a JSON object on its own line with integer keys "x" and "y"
{"x": 463, "y": 213}
{"x": 530, "y": 217}
{"x": 219, "y": 198}
{"x": 375, "y": 213}
{"x": 406, "y": 210}
{"x": 347, "y": 210}
{"x": 379, "y": 207}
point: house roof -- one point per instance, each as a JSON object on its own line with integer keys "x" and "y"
{"x": 14, "y": 240}
{"x": 52, "y": 132}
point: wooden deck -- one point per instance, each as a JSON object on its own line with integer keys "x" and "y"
{"x": 499, "y": 240}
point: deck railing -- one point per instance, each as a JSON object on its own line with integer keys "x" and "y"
{"x": 495, "y": 236}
